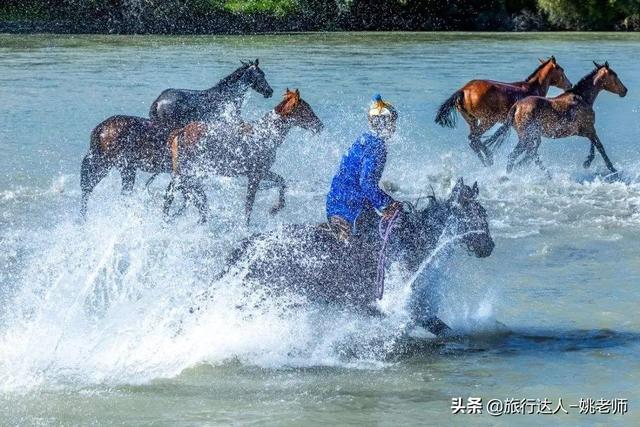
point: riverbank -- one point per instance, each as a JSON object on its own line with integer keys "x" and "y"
{"x": 267, "y": 16}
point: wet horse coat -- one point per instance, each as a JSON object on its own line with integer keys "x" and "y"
{"x": 249, "y": 149}
{"x": 568, "y": 114}
{"x": 483, "y": 103}
{"x": 132, "y": 143}
{"x": 311, "y": 261}
{"x": 177, "y": 107}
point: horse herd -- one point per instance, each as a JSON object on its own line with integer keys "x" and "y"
{"x": 523, "y": 105}
{"x": 194, "y": 133}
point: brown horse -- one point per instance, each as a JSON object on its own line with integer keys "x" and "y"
{"x": 199, "y": 149}
{"x": 127, "y": 143}
{"x": 568, "y": 114}
{"x": 483, "y": 103}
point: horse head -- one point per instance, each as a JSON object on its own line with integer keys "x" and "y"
{"x": 253, "y": 76}
{"x": 470, "y": 219}
{"x": 608, "y": 79}
{"x": 556, "y": 74}
{"x": 297, "y": 112}
{"x": 459, "y": 219}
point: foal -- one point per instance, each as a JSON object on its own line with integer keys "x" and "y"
{"x": 483, "y": 103}
{"x": 568, "y": 114}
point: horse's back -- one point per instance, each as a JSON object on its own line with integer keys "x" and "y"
{"x": 108, "y": 134}
{"x": 490, "y": 99}
{"x": 176, "y": 106}
{"x": 310, "y": 261}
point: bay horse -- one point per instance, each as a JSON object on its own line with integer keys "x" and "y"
{"x": 128, "y": 143}
{"x": 568, "y": 114}
{"x": 178, "y": 107}
{"x": 310, "y": 260}
{"x": 483, "y": 103}
{"x": 132, "y": 143}
{"x": 249, "y": 149}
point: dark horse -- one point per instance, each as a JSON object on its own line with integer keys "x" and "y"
{"x": 178, "y": 107}
{"x": 249, "y": 149}
{"x": 568, "y": 114}
{"x": 309, "y": 260}
{"x": 132, "y": 143}
{"x": 483, "y": 103}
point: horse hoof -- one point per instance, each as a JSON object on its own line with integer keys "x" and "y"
{"x": 587, "y": 163}
{"x": 274, "y": 210}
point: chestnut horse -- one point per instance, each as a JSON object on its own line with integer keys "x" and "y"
{"x": 483, "y": 103}
{"x": 199, "y": 149}
{"x": 568, "y": 114}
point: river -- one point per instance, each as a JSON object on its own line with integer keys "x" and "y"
{"x": 94, "y": 318}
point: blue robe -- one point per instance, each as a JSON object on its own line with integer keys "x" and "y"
{"x": 356, "y": 182}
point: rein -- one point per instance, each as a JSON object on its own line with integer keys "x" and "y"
{"x": 384, "y": 234}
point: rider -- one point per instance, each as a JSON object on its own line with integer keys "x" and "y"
{"x": 355, "y": 185}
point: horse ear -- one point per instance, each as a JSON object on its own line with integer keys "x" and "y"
{"x": 456, "y": 193}
{"x": 298, "y": 93}
{"x": 542, "y": 61}
{"x": 596, "y": 64}
{"x": 257, "y": 61}
{"x": 475, "y": 190}
{"x": 553, "y": 59}
{"x": 287, "y": 91}
{"x": 606, "y": 64}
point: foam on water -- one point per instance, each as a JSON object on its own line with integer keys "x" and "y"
{"x": 109, "y": 302}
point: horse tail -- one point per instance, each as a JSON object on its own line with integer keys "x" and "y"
{"x": 446, "y": 116}
{"x": 150, "y": 180}
{"x": 94, "y": 140}
{"x": 495, "y": 141}
{"x": 174, "y": 145}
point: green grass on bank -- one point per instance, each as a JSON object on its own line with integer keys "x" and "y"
{"x": 273, "y": 7}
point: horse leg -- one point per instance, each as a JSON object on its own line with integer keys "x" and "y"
{"x": 598, "y": 144}
{"x": 195, "y": 192}
{"x": 92, "y": 171}
{"x": 282, "y": 185}
{"x": 252, "y": 189}
{"x": 474, "y": 135}
{"x": 482, "y": 128}
{"x": 128, "y": 175}
{"x": 169, "y": 195}
{"x": 517, "y": 151}
{"x": 590, "y": 157}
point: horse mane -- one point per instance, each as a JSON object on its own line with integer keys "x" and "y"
{"x": 234, "y": 76}
{"x": 287, "y": 105}
{"x": 587, "y": 80}
{"x": 537, "y": 69}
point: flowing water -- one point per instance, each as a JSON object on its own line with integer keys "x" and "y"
{"x": 94, "y": 319}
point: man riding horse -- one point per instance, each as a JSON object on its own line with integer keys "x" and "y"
{"x": 355, "y": 185}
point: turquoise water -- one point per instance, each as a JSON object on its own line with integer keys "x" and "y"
{"x": 94, "y": 322}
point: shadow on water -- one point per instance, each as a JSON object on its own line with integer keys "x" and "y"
{"x": 518, "y": 342}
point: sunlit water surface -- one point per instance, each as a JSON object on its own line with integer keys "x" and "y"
{"x": 94, "y": 318}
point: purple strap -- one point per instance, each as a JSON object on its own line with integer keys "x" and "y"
{"x": 384, "y": 235}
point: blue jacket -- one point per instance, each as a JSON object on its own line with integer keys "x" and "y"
{"x": 357, "y": 179}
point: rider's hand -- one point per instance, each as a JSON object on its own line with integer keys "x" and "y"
{"x": 390, "y": 210}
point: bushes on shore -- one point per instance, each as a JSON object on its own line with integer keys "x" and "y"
{"x": 241, "y": 16}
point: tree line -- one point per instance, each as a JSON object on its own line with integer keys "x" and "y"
{"x": 248, "y": 16}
